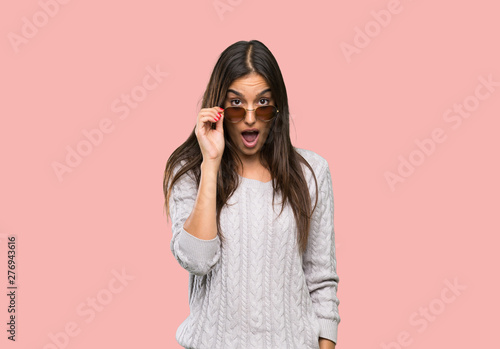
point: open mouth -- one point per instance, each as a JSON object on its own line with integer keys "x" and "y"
{"x": 250, "y": 138}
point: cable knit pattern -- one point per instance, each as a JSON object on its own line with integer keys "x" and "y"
{"x": 258, "y": 292}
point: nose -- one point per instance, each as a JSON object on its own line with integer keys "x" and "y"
{"x": 250, "y": 117}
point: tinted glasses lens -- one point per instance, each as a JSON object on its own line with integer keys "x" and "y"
{"x": 234, "y": 113}
{"x": 265, "y": 113}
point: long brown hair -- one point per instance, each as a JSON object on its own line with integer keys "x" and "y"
{"x": 277, "y": 154}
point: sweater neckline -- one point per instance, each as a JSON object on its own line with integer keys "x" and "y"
{"x": 255, "y": 182}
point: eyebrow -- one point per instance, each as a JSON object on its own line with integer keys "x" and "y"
{"x": 241, "y": 95}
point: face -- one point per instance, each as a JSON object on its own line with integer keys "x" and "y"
{"x": 250, "y": 92}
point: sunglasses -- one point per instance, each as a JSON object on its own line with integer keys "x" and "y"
{"x": 265, "y": 113}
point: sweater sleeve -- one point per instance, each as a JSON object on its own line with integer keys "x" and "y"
{"x": 198, "y": 256}
{"x": 319, "y": 259}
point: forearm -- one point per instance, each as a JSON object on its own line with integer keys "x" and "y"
{"x": 201, "y": 223}
{"x": 326, "y": 344}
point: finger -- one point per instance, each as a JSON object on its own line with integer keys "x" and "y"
{"x": 206, "y": 111}
{"x": 215, "y": 111}
{"x": 218, "y": 125}
{"x": 215, "y": 116}
{"x": 209, "y": 118}
{"x": 211, "y": 111}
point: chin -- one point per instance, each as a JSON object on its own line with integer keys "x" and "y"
{"x": 251, "y": 151}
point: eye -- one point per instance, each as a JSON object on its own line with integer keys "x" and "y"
{"x": 237, "y": 102}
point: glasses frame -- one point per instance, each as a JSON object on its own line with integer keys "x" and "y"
{"x": 254, "y": 110}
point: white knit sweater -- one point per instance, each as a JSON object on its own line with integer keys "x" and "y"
{"x": 258, "y": 292}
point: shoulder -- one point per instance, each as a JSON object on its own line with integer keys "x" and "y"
{"x": 179, "y": 166}
{"x": 322, "y": 175}
{"x": 187, "y": 179}
{"x": 318, "y": 163}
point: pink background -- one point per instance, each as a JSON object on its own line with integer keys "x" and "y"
{"x": 362, "y": 112}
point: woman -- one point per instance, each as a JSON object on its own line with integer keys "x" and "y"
{"x": 260, "y": 255}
